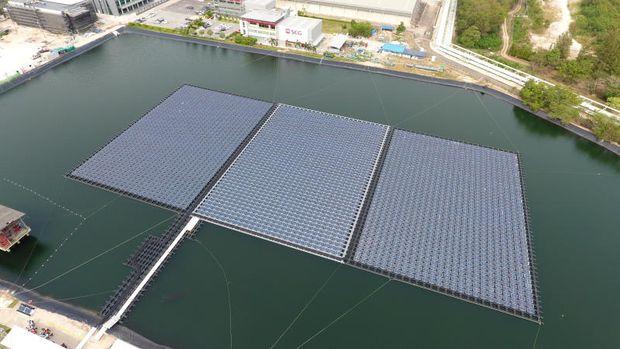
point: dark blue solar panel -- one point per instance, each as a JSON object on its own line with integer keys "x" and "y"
{"x": 451, "y": 215}
{"x": 171, "y": 153}
{"x": 301, "y": 181}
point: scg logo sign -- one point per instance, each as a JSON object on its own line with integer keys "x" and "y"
{"x": 292, "y": 31}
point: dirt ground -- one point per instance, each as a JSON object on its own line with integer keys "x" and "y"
{"x": 561, "y": 21}
{"x": 65, "y": 330}
{"x": 17, "y": 49}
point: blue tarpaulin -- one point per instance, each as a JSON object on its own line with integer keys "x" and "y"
{"x": 393, "y": 48}
{"x": 387, "y": 27}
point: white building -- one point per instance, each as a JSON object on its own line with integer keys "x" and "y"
{"x": 251, "y": 5}
{"x": 303, "y": 30}
{"x": 275, "y": 25}
{"x": 261, "y": 24}
{"x": 376, "y": 11}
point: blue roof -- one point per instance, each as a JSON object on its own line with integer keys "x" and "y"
{"x": 393, "y": 48}
{"x": 300, "y": 182}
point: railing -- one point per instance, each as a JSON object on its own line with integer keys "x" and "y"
{"x": 442, "y": 42}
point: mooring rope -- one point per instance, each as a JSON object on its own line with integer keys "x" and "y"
{"x": 98, "y": 255}
{"x": 421, "y": 112}
{"x": 536, "y": 338}
{"x": 372, "y": 79}
{"x": 41, "y": 196}
{"x": 345, "y": 313}
{"x": 514, "y": 146}
{"x": 221, "y": 267}
{"x": 314, "y": 296}
{"x": 67, "y": 237}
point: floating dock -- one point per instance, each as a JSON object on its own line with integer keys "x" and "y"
{"x": 440, "y": 214}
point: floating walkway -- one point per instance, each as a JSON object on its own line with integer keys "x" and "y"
{"x": 440, "y": 214}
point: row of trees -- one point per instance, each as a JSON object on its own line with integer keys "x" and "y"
{"x": 560, "y": 103}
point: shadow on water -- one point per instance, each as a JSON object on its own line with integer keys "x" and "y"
{"x": 598, "y": 153}
{"x": 19, "y": 260}
{"x": 536, "y": 125}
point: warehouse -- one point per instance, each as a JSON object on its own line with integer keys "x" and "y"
{"x": 56, "y": 16}
{"x": 236, "y": 8}
{"x": 296, "y": 30}
{"x": 377, "y": 11}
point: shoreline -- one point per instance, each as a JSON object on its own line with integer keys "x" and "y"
{"x": 581, "y": 132}
{"x": 75, "y": 313}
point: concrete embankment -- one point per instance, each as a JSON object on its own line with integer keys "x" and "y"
{"x": 74, "y": 313}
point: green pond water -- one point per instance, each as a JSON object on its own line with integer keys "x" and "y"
{"x": 82, "y": 235}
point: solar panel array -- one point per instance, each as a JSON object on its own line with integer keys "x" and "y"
{"x": 451, "y": 216}
{"x": 170, "y": 154}
{"x": 438, "y": 213}
{"x": 301, "y": 181}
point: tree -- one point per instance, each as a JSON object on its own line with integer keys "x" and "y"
{"x": 487, "y": 15}
{"x": 614, "y": 102}
{"x": 605, "y": 128}
{"x": 401, "y": 28}
{"x": 561, "y": 104}
{"x": 558, "y": 101}
{"x": 358, "y": 29}
{"x": 563, "y": 44}
{"x": 578, "y": 69}
{"x": 609, "y": 51}
{"x": 470, "y": 37}
{"x": 553, "y": 57}
{"x": 533, "y": 95}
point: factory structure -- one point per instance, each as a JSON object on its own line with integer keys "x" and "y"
{"x": 56, "y": 16}
{"x": 276, "y": 26}
{"x": 377, "y": 11}
{"x": 121, "y": 7}
{"x": 12, "y": 228}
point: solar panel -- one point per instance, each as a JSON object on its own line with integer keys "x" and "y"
{"x": 171, "y": 153}
{"x": 450, "y": 216}
{"x": 300, "y": 182}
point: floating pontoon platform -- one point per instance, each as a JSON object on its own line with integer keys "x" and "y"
{"x": 441, "y": 214}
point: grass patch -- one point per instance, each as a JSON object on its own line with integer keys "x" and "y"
{"x": 156, "y": 28}
{"x": 330, "y": 25}
{"x": 4, "y": 330}
{"x": 521, "y": 46}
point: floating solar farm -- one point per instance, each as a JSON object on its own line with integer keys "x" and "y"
{"x": 440, "y": 214}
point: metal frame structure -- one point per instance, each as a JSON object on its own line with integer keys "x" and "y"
{"x": 150, "y": 251}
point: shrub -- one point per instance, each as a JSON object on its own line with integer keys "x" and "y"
{"x": 605, "y": 128}
{"x": 245, "y": 40}
{"x": 363, "y": 29}
{"x": 558, "y": 101}
{"x": 470, "y": 37}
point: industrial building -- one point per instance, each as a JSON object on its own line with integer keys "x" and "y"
{"x": 300, "y": 30}
{"x": 12, "y": 228}
{"x": 377, "y": 11}
{"x": 121, "y": 7}
{"x": 56, "y": 16}
{"x": 237, "y": 8}
{"x": 261, "y": 24}
{"x": 441, "y": 214}
{"x": 275, "y": 26}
